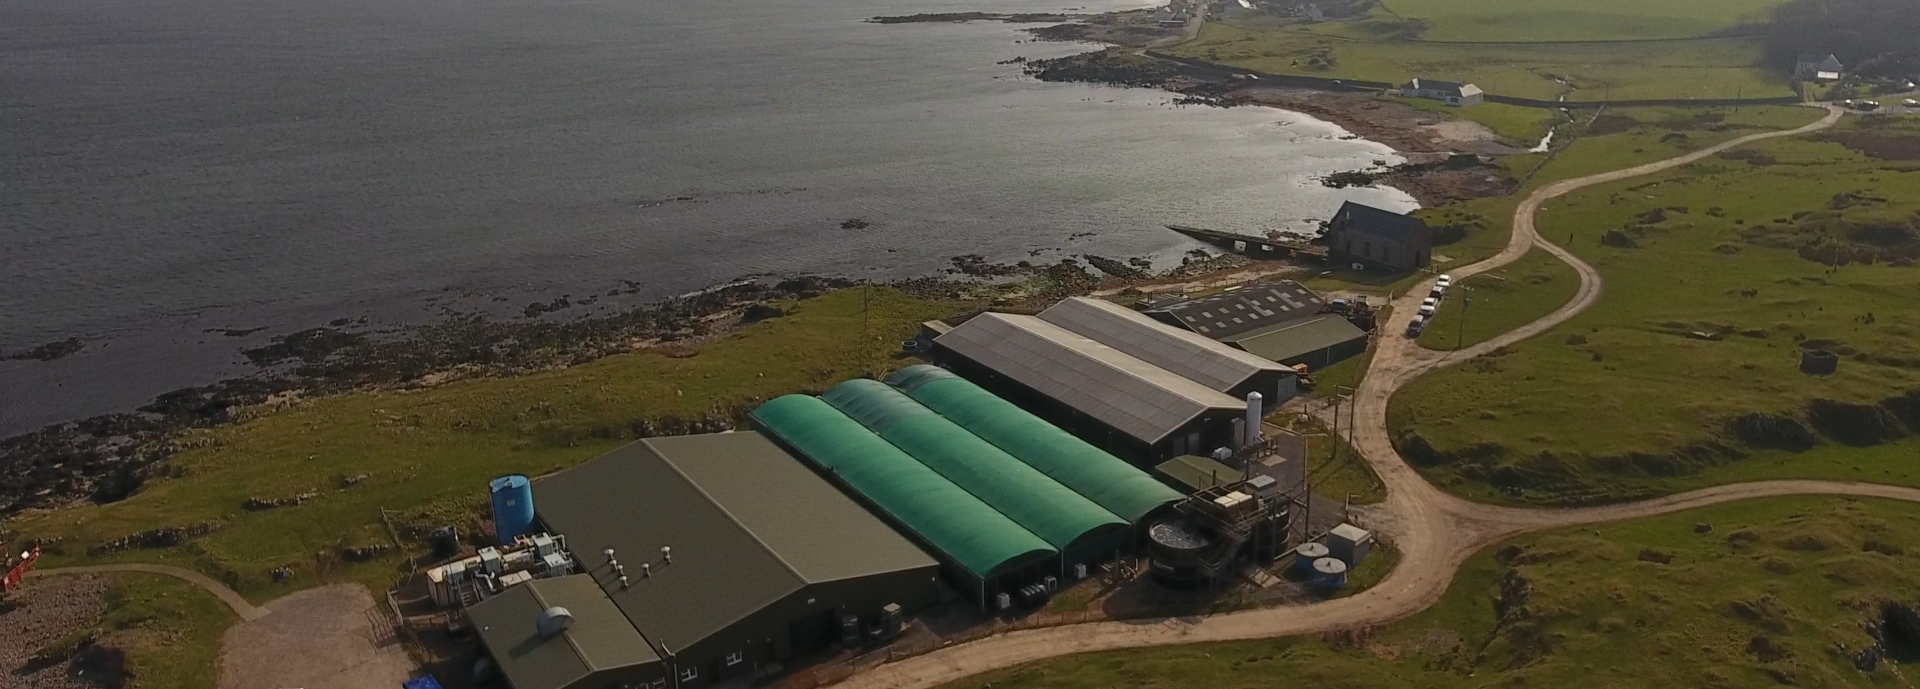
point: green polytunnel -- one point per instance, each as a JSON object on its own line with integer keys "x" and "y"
{"x": 1105, "y": 479}
{"x": 944, "y": 516}
{"x": 1081, "y": 529}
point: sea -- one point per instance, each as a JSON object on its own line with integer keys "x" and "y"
{"x": 184, "y": 179}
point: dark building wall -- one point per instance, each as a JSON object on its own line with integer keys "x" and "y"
{"x": 806, "y": 621}
{"x": 1346, "y": 243}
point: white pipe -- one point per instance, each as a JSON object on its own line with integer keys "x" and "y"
{"x": 1253, "y": 418}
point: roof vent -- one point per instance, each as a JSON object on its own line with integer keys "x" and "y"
{"x": 553, "y": 621}
{"x": 666, "y": 553}
{"x": 646, "y": 570}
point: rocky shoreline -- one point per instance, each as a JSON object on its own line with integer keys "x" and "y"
{"x": 109, "y": 457}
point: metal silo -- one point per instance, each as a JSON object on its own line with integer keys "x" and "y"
{"x": 512, "y": 507}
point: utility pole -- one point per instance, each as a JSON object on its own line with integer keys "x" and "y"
{"x": 1461, "y": 341}
{"x": 866, "y": 295}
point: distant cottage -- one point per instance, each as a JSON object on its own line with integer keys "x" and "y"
{"x": 1452, "y": 93}
{"x": 1376, "y": 237}
{"x": 1818, "y": 68}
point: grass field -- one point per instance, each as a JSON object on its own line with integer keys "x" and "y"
{"x": 1690, "y": 69}
{"x": 1777, "y": 593}
{"x": 1574, "y": 20}
{"x": 1501, "y": 300}
{"x": 170, "y": 629}
{"x": 428, "y": 454}
{"x": 1627, "y": 401}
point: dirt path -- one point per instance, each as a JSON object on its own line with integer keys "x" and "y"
{"x": 1435, "y": 531}
{"x": 241, "y": 607}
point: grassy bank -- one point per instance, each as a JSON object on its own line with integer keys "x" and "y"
{"x": 170, "y": 630}
{"x": 1776, "y": 593}
{"x": 1485, "y": 305}
{"x": 1375, "y": 50}
{"x": 1716, "y": 281}
{"x": 426, "y": 454}
{"x": 1573, "y": 20}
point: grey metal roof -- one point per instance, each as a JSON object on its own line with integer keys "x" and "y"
{"x": 1191, "y": 355}
{"x": 1252, "y": 307}
{"x": 600, "y": 639}
{"x": 1379, "y": 222}
{"x": 1122, "y": 391}
{"x": 1285, "y": 341}
{"x": 748, "y": 525}
{"x": 809, "y": 524}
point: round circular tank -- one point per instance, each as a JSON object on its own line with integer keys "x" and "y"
{"x": 512, "y": 506}
{"x": 445, "y": 541}
{"x": 1330, "y": 573}
{"x": 1306, "y": 554}
{"x": 1174, "y": 548}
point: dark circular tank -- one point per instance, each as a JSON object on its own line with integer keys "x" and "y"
{"x": 1173, "y": 548}
{"x": 445, "y": 542}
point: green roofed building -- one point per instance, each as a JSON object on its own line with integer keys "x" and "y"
{"x": 736, "y": 557}
{"x": 986, "y": 553}
{"x": 1109, "y": 481}
{"x": 1195, "y": 473}
{"x": 1083, "y": 531}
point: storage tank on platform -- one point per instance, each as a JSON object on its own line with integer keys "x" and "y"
{"x": 512, "y": 507}
{"x": 1174, "y": 547}
{"x": 1329, "y": 574}
{"x": 1305, "y": 555}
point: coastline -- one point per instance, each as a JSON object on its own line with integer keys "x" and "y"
{"x": 122, "y": 448}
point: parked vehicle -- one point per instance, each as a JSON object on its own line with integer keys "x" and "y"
{"x": 1426, "y": 311}
{"x": 1418, "y": 325}
{"x": 1446, "y": 280}
{"x": 1911, "y": 103}
{"x": 1437, "y": 292}
{"x": 1339, "y": 305}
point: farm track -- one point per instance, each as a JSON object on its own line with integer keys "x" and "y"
{"x": 1436, "y": 532}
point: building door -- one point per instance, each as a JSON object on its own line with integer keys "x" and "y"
{"x": 814, "y": 632}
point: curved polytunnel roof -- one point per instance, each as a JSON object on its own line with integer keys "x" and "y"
{"x": 945, "y": 516}
{"x": 1105, "y": 479}
{"x": 1051, "y": 511}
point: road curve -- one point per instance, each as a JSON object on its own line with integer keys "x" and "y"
{"x": 1435, "y": 531}
{"x": 239, "y": 604}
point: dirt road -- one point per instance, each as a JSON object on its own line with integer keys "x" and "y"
{"x": 241, "y": 607}
{"x": 1435, "y": 531}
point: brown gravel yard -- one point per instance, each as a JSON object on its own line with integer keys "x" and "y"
{"x": 48, "y": 610}
{"x": 325, "y": 638}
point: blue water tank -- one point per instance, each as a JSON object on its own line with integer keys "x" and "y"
{"x": 512, "y": 507}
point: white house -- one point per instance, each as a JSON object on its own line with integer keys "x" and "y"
{"x": 1453, "y": 93}
{"x": 1818, "y": 68}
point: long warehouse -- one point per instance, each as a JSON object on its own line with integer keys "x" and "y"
{"x": 1084, "y": 532}
{"x": 985, "y": 553}
{"x": 1109, "y": 481}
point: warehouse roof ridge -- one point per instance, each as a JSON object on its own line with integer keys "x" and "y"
{"x": 1194, "y": 356}
{"x": 1144, "y": 401}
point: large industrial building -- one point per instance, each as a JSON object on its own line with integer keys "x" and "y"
{"x": 1007, "y": 500}
{"x": 1279, "y": 321}
{"x": 1134, "y": 386}
{"x": 705, "y": 558}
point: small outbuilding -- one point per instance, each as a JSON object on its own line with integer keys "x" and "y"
{"x": 1450, "y": 92}
{"x": 1376, "y": 237}
{"x": 1818, "y": 67}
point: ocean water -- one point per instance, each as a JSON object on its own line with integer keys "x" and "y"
{"x": 174, "y": 166}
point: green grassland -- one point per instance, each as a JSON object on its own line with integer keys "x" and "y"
{"x": 1618, "y": 138}
{"x": 1778, "y": 592}
{"x": 1702, "y": 324}
{"x": 1574, "y": 20}
{"x": 1502, "y": 300}
{"x": 170, "y": 630}
{"x": 1687, "y": 69}
{"x": 428, "y": 454}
